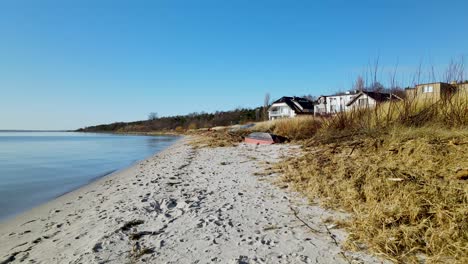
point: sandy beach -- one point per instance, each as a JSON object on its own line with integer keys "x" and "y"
{"x": 183, "y": 205}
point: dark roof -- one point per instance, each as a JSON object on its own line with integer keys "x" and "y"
{"x": 291, "y": 102}
{"x": 377, "y": 96}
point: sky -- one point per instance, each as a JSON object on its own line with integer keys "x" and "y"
{"x": 70, "y": 64}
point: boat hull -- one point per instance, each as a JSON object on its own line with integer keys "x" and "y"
{"x": 258, "y": 141}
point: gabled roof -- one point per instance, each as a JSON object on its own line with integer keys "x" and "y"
{"x": 298, "y": 104}
{"x": 377, "y": 96}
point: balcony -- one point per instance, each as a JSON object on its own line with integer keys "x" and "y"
{"x": 279, "y": 113}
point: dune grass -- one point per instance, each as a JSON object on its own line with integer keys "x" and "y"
{"x": 299, "y": 128}
{"x": 404, "y": 188}
{"x": 449, "y": 112}
{"x": 401, "y": 170}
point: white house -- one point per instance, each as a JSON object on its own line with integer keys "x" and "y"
{"x": 332, "y": 104}
{"x": 366, "y": 99}
{"x": 287, "y": 107}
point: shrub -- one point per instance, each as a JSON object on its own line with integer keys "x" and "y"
{"x": 192, "y": 126}
{"x": 179, "y": 129}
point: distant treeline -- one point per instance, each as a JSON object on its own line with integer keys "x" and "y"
{"x": 183, "y": 122}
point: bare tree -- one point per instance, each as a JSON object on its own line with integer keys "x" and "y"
{"x": 266, "y": 105}
{"x": 310, "y": 97}
{"x": 359, "y": 84}
{"x": 433, "y": 75}
{"x": 376, "y": 69}
{"x": 153, "y": 116}
{"x": 377, "y": 87}
{"x": 258, "y": 114}
{"x": 372, "y": 73}
{"x": 417, "y": 75}
{"x": 455, "y": 71}
{"x": 393, "y": 75}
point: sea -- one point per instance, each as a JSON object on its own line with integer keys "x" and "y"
{"x": 36, "y": 167}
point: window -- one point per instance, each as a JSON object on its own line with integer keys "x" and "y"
{"x": 427, "y": 89}
{"x": 363, "y": 102}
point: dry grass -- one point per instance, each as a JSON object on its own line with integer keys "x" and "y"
{"x": 299, "y": 128}
{"x": 401, "y": 169}
{"x": 294, "y": 129}
{"x": 451, "y": 112}
{"x": 217, "y": 138}
{"x": 404, "y": 188}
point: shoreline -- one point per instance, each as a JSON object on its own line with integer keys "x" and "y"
{"x": 90, "y": 182}
{"x": 130, "y": 133}
{"x": 178, "y": 206}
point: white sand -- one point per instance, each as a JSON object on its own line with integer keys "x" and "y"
{"x": 194, "y": 206}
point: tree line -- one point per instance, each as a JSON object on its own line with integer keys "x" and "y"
{"x": 185, "y": 122}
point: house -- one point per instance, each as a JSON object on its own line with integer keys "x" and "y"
{"x": 365, "y": 99}
{"x": 431, "y": 91}
{"x": 332, "y": 104}
{"x": 287, "y": 107}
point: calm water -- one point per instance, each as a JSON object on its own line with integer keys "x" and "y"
{"x": 38, "y": 166}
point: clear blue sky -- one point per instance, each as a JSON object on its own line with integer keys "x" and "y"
{"x": 68, "y": 64}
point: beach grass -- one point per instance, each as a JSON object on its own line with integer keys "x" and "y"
{"x": 294, "y": 129}
{"x": 406, "y": 190}
{"x": 401, "y": 170}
